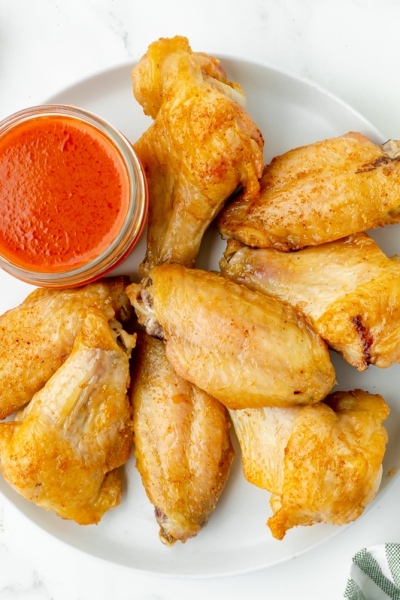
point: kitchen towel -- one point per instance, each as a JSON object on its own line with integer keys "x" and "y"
{"x": 375, "y": 574}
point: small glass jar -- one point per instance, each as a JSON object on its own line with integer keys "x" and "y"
{"x": 135, "y": 190}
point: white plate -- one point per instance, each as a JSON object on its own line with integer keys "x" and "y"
{"x": 290, "y": 112}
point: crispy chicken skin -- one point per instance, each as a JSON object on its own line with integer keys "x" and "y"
{"x": 37, "y": 336}
{"x": 182, "y": 445}
{"x": 319, "y": 193}
{"x": 321, "y": 463}
{"x": 349, "y": 290}
{"x": 201, "y": 146}
{"x": 242, "y": 347}
{"x": 62, "y": 451}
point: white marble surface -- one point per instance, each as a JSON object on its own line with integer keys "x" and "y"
{"x": 348, "y": 46}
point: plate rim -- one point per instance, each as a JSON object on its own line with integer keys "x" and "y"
{"x": 222, "y": 56}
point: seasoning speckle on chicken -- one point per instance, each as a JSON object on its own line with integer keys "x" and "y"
{"x": 201, "y": 146}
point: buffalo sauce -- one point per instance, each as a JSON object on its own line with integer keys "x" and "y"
{"x": 73, "y": 196}
{"x": 64, "y": 193}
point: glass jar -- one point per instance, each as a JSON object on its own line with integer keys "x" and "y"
{"x": 29, "y": 242}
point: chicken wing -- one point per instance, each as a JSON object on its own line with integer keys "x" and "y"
{"x": 322, "y": 463}
{"x": 242, "y": 347}
{"x": 319, "y": 193}
{"x": 63, "y": 449}
{"x": 37, "y": 336}
{"x": 201, "y": 146}
{"x": 182, "y": 445}
{"x": 349, "y": 290}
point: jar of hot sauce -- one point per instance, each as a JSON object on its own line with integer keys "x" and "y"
{"x": 73, "y": 196}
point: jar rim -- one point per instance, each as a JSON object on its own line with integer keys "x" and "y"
{"x": 136, "y": 215}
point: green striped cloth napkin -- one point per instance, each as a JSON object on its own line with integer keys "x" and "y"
{"x": 375, "y": 574}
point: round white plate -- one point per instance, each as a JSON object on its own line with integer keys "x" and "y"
{"x": 290, "y": 112}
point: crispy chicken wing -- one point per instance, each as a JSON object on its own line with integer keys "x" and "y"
{"x": 319, "y": 193}
{"x": 349, "y": 289}
{"x": 242, "y": 347}
{"x": 182, "y": 445}
{"x": 322, "y": 462}
{"x": 63, "y": 449}
{"x": 201, "y": 146}
{"x": 37, "y": 336}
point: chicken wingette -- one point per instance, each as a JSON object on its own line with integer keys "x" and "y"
{"x": 62, "y": 451}
{"x": 201, "y": 146}
{"x": 182, "y": 445}
{"x": 37, "y": 336}
{"x": 348, "y": 289}
{"x": 242, "y": 347}
{"x": 319, "y": 193}
{"x": 321, "y": 463}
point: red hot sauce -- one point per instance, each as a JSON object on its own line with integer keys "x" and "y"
{"x": 64, "y": 194}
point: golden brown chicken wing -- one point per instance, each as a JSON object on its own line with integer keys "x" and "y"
{"x": 349, "y": 290}
{"x": 201, "y": 146}
{"x": 322, "y": 462}
{"x": 182, "y": 446}
{"x": 242, "y": 347}
{"x": 37, "y": 336}
{"x": 319, "y": 193}
{"x": 63, "y": 449}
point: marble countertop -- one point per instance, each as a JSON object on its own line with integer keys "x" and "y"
{"x": 348, "y": 46}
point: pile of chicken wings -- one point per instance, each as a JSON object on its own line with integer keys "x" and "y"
{"x": 298, "y": 276}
